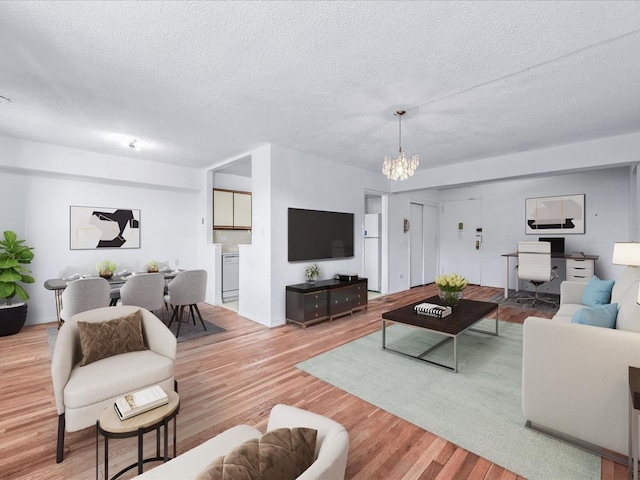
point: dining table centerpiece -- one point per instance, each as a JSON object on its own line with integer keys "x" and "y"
{"x": 451, "y": 287}
{"x": 106, "y": 268}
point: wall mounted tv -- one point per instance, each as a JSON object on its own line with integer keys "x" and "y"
{"x": 315, "y": 234}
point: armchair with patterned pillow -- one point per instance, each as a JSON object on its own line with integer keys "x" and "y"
{"x": 102, "y": 354}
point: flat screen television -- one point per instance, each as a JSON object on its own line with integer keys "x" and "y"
{"x": 316, "y": 234}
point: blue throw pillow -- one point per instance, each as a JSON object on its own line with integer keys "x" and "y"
{"x": 598, "y": 316}
{"x": 598, "y": 292}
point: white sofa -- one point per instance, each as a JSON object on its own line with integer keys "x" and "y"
{"x": 575, "y": 378}
{"x": 332, "y": 446}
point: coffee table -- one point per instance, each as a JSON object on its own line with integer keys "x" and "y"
{"x": 464, "y": 315}
{"x": 110, "y": 426}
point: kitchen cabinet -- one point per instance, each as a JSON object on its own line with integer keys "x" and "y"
{"x": 231, "y": 210}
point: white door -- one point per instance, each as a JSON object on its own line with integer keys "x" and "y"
{"x": 430, "y": 241}
{"x": 459, "y": 253}
{"x": 416, "y": 246}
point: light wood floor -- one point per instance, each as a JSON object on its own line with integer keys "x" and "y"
{"x": 236, "y": 377}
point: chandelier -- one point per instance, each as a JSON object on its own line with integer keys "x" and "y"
{"x": 399, "y": 168}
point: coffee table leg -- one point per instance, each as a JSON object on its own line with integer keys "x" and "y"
{"x": 455, "y": 354}
{"x": 384, "y": 334}
{"x": 165, "y": 426}
{"x": 106, "y": 457}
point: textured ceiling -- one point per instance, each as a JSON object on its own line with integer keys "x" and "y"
{"x": 200, "y": 82}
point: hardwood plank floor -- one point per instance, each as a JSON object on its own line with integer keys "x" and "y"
{"x": 236, "y": 377}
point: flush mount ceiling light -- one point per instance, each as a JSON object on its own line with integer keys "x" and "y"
{"x": 400, "y": 168}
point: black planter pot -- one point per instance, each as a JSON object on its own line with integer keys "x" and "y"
{"x": 12, "y": 318}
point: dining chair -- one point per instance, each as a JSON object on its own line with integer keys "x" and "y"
{"x": 534, "y": 265}
{"x": 144, "y": 290}
{"x": 186, "y": 290}
{"x": 84, "y": 294}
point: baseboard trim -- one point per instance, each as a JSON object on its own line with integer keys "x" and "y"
{"x": 589, "y": 447}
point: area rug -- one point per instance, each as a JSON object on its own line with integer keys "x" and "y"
{"x": 478, "y": 408}
{"x": 512, "y": 301}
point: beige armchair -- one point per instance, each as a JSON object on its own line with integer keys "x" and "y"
{"x": 83, "y": 392}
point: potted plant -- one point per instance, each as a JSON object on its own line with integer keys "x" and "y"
{"x": 152, "y": 267}
{"x": 106, "y": 268}
{"x": 451, "y": 287}
{"x": 312, "y": 272}
{"x": 13, "y": 254}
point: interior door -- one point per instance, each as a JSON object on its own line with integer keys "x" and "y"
{"x": 416, "y": 245}
{"x": 460, "y": 243}
{"x": 430, "y": 242}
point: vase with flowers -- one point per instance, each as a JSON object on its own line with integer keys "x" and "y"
{"x": 451, "y": 287}
{"x": 106, "y": 268}
{"x": 311, "y": 273}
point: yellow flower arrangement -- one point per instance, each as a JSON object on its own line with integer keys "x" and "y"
{"x": 451, "y": 283}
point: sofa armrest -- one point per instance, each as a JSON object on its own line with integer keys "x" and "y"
{"x": 158, "y": 337}
{"x": 575, "y": 380}
{"x": 571, "y": 292}
{"x": 65, "y": 355}
{"x": 332, "y": 444}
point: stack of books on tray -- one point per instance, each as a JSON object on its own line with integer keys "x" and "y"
{"x": 136, "y": 403}
{"x": 432, "y": 310}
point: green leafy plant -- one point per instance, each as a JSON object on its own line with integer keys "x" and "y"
{"x": 106, "y": 266}
{"x": 311, "y": 272}
{"x": 13, "y": 254}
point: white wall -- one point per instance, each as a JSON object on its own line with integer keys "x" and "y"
{"x": 296, "y": 180}
{"x": 607, "y": 215}
{"x": 36, "y": 201}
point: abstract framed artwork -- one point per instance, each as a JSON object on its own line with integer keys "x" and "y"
{"x": 555, "y": 215}
{"x": 102, "y": 227}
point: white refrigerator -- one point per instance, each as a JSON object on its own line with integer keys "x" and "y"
{"x": 372, "y": 250}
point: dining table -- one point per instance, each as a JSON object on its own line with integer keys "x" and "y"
{"x": 57, "y": 285}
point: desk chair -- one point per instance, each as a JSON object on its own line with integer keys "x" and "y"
{"x": 534, "y": 265}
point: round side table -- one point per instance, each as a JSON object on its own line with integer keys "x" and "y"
{"x": 110, "y": 426}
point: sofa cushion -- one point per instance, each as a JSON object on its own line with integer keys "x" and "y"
{"x": 597, "y": 292}
{"x": 280, "y": 454}
{"x": 96, "y": 382}
{"x": 598, "y": 316}
{"x": 100, "y": 340}
{"x": 566, "y": 312}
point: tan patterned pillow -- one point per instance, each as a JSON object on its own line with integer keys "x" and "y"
{"x": 100, "y": 340}
{"x": 281, "y": 454}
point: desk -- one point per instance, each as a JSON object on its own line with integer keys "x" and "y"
{"x": 57, "y": 285}
{"x": 579, "y": 269}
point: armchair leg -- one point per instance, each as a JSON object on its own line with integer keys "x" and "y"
{"x": 60, "y": 446}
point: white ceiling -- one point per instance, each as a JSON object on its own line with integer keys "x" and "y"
{"x": 200, "y": 82}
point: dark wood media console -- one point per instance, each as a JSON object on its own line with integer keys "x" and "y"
{"x": 310, "y": 303}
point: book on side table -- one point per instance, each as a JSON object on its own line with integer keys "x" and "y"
{"x": 133, "y": 404}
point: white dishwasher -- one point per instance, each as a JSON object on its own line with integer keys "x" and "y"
{"x": 230, "y": 276}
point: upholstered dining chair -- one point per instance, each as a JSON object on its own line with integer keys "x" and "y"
{"x": 84, "y": 294}
{"x": 187, "y": 289}
{"x": 144, "y": 290}
{"x": 534, "y": 265}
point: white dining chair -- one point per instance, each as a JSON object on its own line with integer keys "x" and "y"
{"x": 84, "y": 294}
{"x": 187, "y": 289}
{"x": 144, "y": 290}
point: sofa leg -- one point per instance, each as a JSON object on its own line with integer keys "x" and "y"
{"x": 60, "y": 447}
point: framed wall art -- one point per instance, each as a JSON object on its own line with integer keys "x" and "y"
{"x": 555, "y": 215}
{"x": 102, "y": 227}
